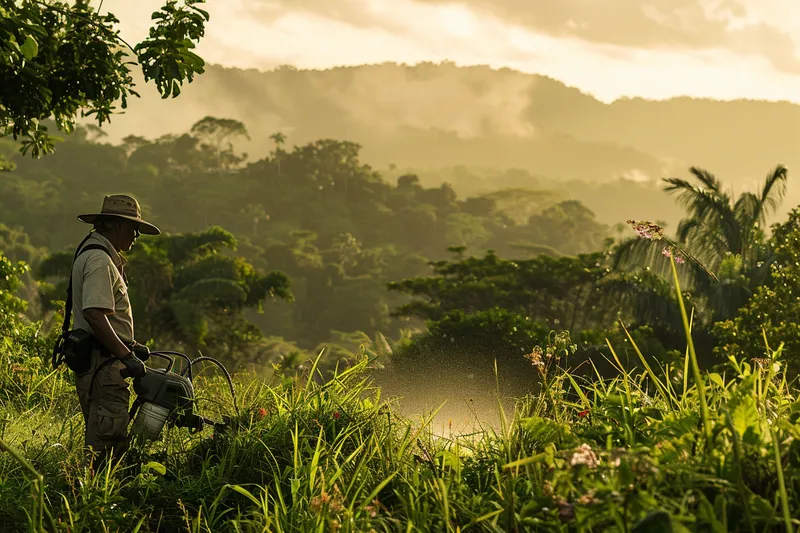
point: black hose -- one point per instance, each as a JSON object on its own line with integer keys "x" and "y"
{"x": 179, "y": 354}
{"x": 224, "y": 371}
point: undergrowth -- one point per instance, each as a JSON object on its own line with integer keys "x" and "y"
{"x": 658, "y": 449}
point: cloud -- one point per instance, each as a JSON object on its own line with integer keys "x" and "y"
{"x": 721, "y": 49}
{"x": 739, "y": 26}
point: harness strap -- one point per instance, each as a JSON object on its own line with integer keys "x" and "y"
{"x": 58, "y": 356}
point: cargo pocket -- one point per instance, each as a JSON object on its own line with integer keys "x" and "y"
{"x": 112, "y": 422}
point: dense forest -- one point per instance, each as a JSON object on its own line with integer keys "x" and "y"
{"x": 439, "y": 119}
{"x": 308, "y": 248}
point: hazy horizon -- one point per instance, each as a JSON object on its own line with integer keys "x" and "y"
{"x": 718, "y": 49}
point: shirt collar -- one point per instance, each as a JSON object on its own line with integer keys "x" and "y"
{"x": 118, "y": 259}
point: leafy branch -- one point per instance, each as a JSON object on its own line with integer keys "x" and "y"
{"x": 60, "y": 61}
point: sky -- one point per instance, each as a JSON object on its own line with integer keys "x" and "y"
{"x": 723, "y": 49}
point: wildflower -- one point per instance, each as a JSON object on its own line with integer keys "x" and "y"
{"x": 372, "y": 509}
{"x": 588, "y": 499}
{"x": 583, "y": 413}
{"x": 584, "y": 456}
{"x": 336, "y": 505}
{"x": 336, "y": 415}
{"x": 647, "y": 229}
{"x": 671, "y": 251}
{"x": 318, "y": 502}
{"x": 761, "y": 362}
{"x": 535, "y": 357}
{"x": 261, "y": 413}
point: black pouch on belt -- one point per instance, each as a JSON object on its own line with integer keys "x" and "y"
{"x": 77, "y": 350}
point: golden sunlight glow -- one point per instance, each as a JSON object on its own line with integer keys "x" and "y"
{"x": 313, "y": 34}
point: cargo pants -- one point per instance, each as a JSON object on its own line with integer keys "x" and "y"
{"x": 104, "y": 397}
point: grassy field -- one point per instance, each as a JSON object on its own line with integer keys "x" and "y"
{"x": 658, "y": 450}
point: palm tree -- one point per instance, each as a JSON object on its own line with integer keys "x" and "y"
{"x": 717, "y": 227}
{"x": 725, "y": 236}
{"x": 279, "y": 139}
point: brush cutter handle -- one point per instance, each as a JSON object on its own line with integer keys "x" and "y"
{"x": 133, "y": 367}
{"x": 162, "y": 355}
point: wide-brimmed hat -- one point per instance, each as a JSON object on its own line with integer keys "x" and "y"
{"x": 122, "y": 206}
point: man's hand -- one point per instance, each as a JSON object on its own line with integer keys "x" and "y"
{"x": 141, "y": 351}
{"x": 133, "y": 367}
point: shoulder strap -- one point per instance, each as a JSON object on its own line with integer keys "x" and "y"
{"x": 79, "y": 251}
{"x": 58, "y": 355}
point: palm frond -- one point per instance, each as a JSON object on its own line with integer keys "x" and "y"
{"x": 709, "y": 208}
{"x": 726, "y": 298}
{"x": 773, "y": 191}
{"x": 687, "y": 228}
{"x": 747, "y": 209}
{"x": 635, "y": 252}
{"x": 709, "y": 180}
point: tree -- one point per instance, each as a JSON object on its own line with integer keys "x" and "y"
{"x": 717, "y": 226}
{"x": 62, "y": 60}
{"x": 770, "y": 316}
{"x": 217, "y": 134}
{"x": 725, "y": 236}
{"x": 279, "y": 139}
{"x": 555, "y": 292}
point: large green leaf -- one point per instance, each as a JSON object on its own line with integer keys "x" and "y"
{"x": 744, "y": 413}
{"x": 30, "y": 48}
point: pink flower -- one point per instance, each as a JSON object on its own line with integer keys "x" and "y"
{"x": 646, "y": 229}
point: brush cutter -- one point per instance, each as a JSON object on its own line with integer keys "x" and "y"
{"x": 164, "y": 396}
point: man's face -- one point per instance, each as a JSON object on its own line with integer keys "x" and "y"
{"x": 128, "y": 232}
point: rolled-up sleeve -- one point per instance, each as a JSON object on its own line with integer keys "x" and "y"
{"x": 98, "y": 285}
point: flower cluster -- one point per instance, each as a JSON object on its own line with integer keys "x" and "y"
{"x": 588, "y": 499}
{"x": 334, "y": 501}
{"x": 535, "y": 357}
{"x": 671, "y": 251}
{"x": 372, "y": 509}
{"x": 647, "y": 229}
{"x": 584, "y": 455}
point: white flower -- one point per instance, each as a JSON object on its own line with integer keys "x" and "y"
{"x": 584, "y": 456}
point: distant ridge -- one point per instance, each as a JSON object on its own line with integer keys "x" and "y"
{"x": 436, "y": 115}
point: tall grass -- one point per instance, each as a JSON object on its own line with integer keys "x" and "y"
{"x": 619, "y": 454}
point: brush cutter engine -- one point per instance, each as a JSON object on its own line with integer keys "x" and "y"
{"x": 165, "y": 397}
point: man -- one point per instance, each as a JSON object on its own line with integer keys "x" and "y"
{"x": 100, "y": 306}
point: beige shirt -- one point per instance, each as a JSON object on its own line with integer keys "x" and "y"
{"x": 97, "y": 283}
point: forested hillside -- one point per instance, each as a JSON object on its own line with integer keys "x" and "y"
{"x": 340, "y": 230}
{"x": 432, "y": 119}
